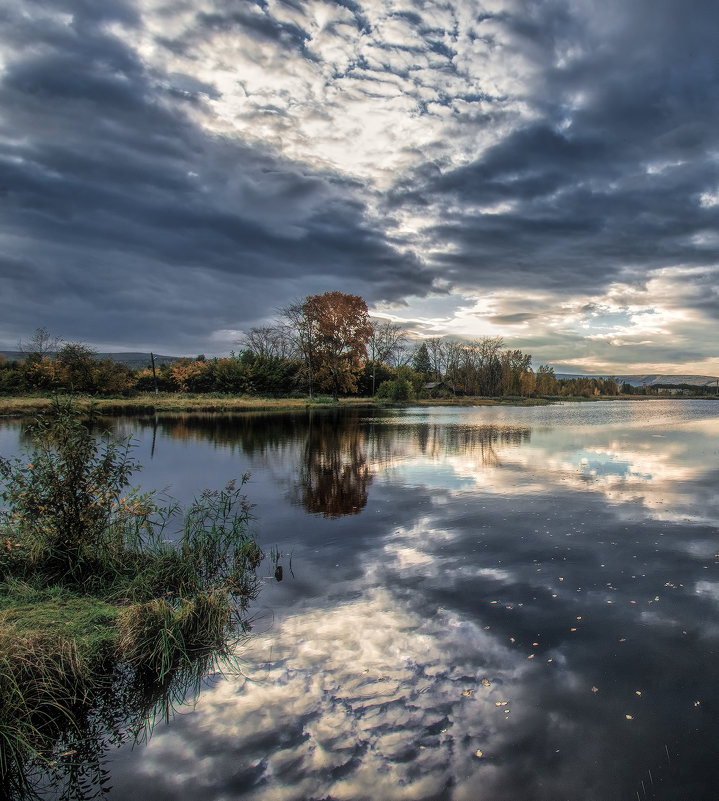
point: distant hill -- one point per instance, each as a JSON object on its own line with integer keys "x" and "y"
{"x": 135, "y": 361}
{"x": 651, "y": 379}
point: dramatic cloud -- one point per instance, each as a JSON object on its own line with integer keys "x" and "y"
{"x": 171, "y": 173}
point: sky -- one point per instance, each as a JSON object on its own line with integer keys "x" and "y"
{"x": 174, "y": 171}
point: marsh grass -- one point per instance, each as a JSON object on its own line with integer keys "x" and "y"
{"x": 11, "y": 406}
{"x": 112, "y": 607}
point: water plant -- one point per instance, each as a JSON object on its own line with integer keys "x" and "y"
{"x": 113, "y": 607}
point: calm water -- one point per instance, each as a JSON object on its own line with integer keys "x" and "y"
{"x": 486, "y": 604}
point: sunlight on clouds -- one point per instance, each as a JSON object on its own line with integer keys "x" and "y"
{"x": 367, "y": 101}
{"x": 709, "y": 199}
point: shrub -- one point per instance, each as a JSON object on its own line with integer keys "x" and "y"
{"x": 395, "y": 390}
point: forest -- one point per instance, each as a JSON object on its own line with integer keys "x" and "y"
{"x": 323, "y": 344}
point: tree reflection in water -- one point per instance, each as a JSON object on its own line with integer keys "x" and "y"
{"x": 334, "y": 475}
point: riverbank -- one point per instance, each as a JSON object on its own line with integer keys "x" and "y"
{"x": 170, "y": 403}
{"x": 178, "y": 403}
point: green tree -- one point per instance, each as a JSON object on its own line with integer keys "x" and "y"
{"x": 421, "y": 362}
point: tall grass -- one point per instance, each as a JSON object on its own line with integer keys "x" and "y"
{"x": 112, "y": 606}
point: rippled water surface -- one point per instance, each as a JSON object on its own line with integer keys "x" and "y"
{"x": 483, "y": 603}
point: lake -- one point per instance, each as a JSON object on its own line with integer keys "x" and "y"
{"x": 480, "y": 603}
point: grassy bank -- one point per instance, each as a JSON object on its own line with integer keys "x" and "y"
{"x": 180, "y": 403}
{"x": 111, "y": 606}
{"x": 152, "y": 404}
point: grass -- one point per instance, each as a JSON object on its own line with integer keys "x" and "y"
{"x": 11, "y": 406}
{"x": 105, "y": 622}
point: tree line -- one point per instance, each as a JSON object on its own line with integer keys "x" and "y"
{"x": 324, "y": 343}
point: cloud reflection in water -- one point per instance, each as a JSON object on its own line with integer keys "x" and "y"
{"x": 498, "y": 602}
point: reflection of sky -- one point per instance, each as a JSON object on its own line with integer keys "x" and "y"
{"x": 529, "y": 616}
{"x": 376, "y": 688}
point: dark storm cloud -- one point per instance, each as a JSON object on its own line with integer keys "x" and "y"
{"x": 610, "y": 174}
{"x": 211, "y": 161}
{"x": 101, "y": 178}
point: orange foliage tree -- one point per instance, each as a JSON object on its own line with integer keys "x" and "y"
{"x": 341, "y": 329}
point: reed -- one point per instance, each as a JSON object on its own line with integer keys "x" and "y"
{"x": 99, "y": 603}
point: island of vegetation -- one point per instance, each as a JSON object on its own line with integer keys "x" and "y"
{"x": 321, "y": 349}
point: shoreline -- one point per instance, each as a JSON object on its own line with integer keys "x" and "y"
{"x": 27, "y": 406}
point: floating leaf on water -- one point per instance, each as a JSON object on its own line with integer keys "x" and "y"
{"x": 535, "y": 643}
{"x": 622, "y": 639}
{"x": 637, "y": 692}
{"x": 486, "y": 682}
{"x": 467, "y": 693}
{"x": 573, "y": 628}
{"x": 595, "y": 689}
{"x": 511, "y": 639}
{"x": 531, "y": 656}
{"x": 501, "y": 703}
{"x": 629, "y": 717}
{"x": 478, "y": 753}
{"x": 550, "y": 659}
{"x": 697, "y": 703}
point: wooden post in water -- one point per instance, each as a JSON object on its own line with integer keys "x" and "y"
{"x": 154, "y": 374}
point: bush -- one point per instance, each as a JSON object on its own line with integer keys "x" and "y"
{"x": 65, "y": 501}
{"x": 396, "y": 390}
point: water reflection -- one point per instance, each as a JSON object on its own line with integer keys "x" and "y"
{"x": 522, "y": 605}
{"x": 334, "y": 474}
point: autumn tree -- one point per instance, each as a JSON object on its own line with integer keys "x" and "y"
{"x": 339, "y": 330}
{"x": 76, "y": 367}
{"x": 546, "y": 380}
